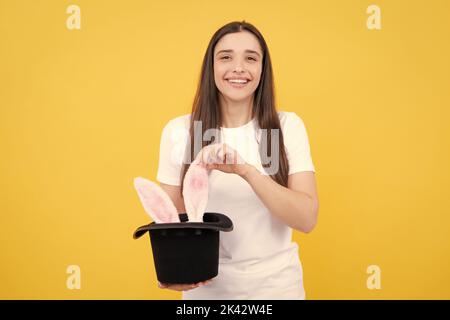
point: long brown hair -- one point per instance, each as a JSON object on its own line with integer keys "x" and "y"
{"x": 206, "y": 103}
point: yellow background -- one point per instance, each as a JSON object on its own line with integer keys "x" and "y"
{"x": 82, "y": 113}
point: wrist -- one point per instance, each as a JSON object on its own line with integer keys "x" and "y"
{"x": 247, "y": 171}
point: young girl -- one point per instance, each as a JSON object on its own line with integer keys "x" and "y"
{"x": 263, "y": 180}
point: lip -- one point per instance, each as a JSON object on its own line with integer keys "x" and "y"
{"x": 237, "y": 85}
{"x": 237, "y": 78}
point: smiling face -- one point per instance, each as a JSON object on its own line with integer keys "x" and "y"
{"x": 237, "y": 65}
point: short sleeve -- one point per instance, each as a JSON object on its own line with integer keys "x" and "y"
{"x": 171, "y": 153}
{"x": 297, "y": 144}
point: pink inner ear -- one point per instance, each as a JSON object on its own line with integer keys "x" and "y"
{"x": 156, "y": 201}
{"x": 195, "y": 192}
{"x": 198, "y": 182}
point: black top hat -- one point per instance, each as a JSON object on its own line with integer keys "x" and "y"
{"x": 186, "y": 252}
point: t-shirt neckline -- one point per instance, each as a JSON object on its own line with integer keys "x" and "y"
{"x": 248, "y": 124}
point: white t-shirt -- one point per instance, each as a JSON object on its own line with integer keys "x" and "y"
{"x": 257, "y": 259}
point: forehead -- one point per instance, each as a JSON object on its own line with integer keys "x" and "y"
{"x": 238, "y": 41}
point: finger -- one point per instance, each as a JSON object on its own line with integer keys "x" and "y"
{"x": 229, "y": 154}
{"x": 226, "y": 154}
{"x": 220, "y": 153}
{"x": 203, "y": 155}
{"x": 235, "y": 157}
{"x": 182, "y": 287}
{"x": 212, "y": 154}
{"x": 223, "y": 155}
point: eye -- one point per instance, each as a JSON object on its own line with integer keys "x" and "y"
{"x": 251, "y": 58}
{"x": 224, "y": 57}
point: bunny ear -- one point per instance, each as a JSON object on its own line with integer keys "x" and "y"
{"x": 156, "y": 201}
{"x": 195, "y": 192}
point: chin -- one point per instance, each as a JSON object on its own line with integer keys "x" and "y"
{"x": 237, "y": 97}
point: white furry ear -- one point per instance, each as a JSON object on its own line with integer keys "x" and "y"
{"x": 156, "y": 201}
{"x": 195, "y": 191}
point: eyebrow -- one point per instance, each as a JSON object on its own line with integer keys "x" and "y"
{"x": 248, "y": 51}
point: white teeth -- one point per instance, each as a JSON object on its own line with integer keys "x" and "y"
{"x": 237, "y": 81}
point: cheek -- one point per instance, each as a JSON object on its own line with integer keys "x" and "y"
{"x": 219, "y": 72}
{"x": 257, "y": 73}
{"x": 218, "y": 75}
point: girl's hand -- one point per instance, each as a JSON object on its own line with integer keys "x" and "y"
{"x": 221, "y": 156}
{"x": 182, "y": 287}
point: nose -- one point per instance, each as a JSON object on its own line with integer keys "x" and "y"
{"x": 238, "y": 69}
{"x": 238, "y": 66}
